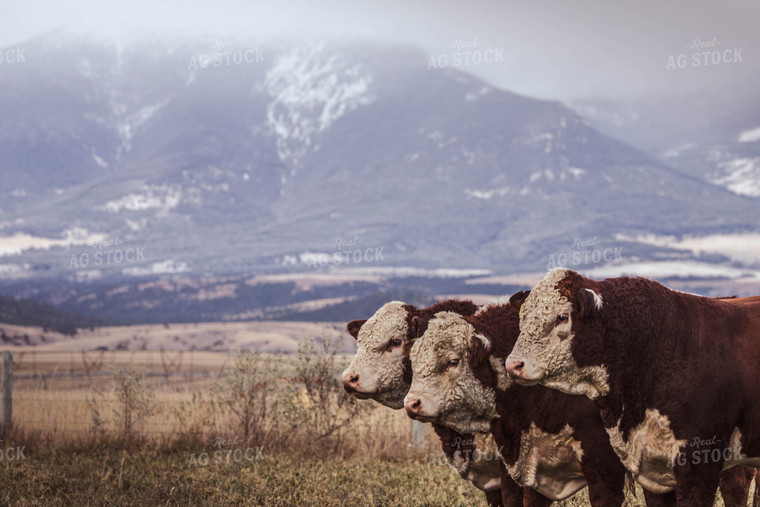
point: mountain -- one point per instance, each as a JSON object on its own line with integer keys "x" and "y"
{"x": 713, "y": 134}
{"x": 284, "y": 150}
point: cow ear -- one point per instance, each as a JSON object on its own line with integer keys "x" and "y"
{"x": 407, "y": 348}
{"x": 518, "y": 298}
{"x": 354, "y": 326}
{"x": 589, "y": 302}
{"x": 418, "y": 326}
{"x": 478, "y": 350}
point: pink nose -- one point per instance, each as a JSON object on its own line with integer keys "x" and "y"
{"x": 350, "y": 382}
{"x": 515, "y": 368}
{"x": 413, "y": 405}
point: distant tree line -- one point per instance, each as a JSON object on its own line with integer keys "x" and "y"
{"x": 27, "y": 312}
{"x": 144, "y": 303}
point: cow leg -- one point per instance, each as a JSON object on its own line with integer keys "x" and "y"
{"x": 606, "y": 483}
{"x": 663, "y": 500}
{"x": 511, "y": 492}
{"x": 604, "y": 494}
{"x": 493, "y": 498}
{"x": 696, "y": 485}
{"x": 734, "y": 485}
{"x": 533, "y": 498}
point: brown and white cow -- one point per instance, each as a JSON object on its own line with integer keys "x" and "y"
{"x": 552, "y": 442}
{"x": 380, "y": 371}
{"x": 676, "y": 376}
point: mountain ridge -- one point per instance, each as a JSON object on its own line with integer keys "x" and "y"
{"x": 237, "y": 168}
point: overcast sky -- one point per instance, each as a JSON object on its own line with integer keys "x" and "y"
{"x": 560, "y": 49}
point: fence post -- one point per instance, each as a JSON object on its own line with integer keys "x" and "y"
{"x": 7, "y": 391}
{"x": 418, "y": 433}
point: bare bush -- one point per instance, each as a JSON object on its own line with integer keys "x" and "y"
{"x": 136, "y": 402}
{"x": 319, "y": 402}
{"x": 92, "y": 363}
{"x": 249, "y": 393}
{"x": 171, "y": 364}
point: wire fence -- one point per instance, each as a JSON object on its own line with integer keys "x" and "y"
{"x": 61, "y": 392}
{"x": 78, "y": 394}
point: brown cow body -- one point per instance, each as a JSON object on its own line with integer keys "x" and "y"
{"x": 552, "y": 442}
{"x": 470, "y": 455}
{"x": 676, "y": 376}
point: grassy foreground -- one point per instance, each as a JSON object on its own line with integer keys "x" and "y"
{"x": 270, "y": 431}
{"x": 154, "y": 476}
{"x": 150, "y": 477}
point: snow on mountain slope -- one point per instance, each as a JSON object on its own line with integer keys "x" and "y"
{"x": 311, "y": 89}
{"x": 711, "y": 136}
{"x": 740, "y": 175}
{"x": 162, "y": 198}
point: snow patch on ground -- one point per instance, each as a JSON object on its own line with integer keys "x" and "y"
{"x": 741, "y": 175}
{"x": 487, "y": 194}
{"x": 561, "y": 175}
{"x": 161, "y": 197}
{"x": 675, "y": 152}
{"x": 13, "y": 270}
{"x": 168, "y": 266}
{"x": 310, "y": 258}
{"x": 88, "y": 275}
{"x": 473, "y": 96}
{"x": 671, "y": 269}
{"x": 750, "y": 136}
{"x": 744, "y": 248}
{"x": 390, "y": 271}
{"x": 20, "y": 242}
{"x": 102, "y": 163}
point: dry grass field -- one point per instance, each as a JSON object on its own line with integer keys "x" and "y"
{"x": 213, "y": 428}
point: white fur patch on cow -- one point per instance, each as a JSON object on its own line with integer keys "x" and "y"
{"x": 389, "y": 320}
{"x": 482, "y": 466}
{"x": 500, "y": 301}
{"x": 381, "y": 373}
{"x": 591, "y": 381}
{"x": 546, "y": 348}
{"x": 649, "y": 452}
{"x": 736, "y": 441}
{"x": 549, "y": 463}
{"x": 736, "y": 456}
{"x": 598, "y": 303}
{"x": 486, "y": 343}
{"x": 454, "y": 397}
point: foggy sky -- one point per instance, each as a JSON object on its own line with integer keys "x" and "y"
{"x": 559, "y": 49}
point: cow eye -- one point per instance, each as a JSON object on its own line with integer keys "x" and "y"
{"x": 562, "y": 318}
{"x": 453, "y": 363}
{"x": 396, "y": 342}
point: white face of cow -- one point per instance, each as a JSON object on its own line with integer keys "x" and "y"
{"x": 543, "y": 350}
{"x": 444, "y": 389}
{"x": 377, "y": 371}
